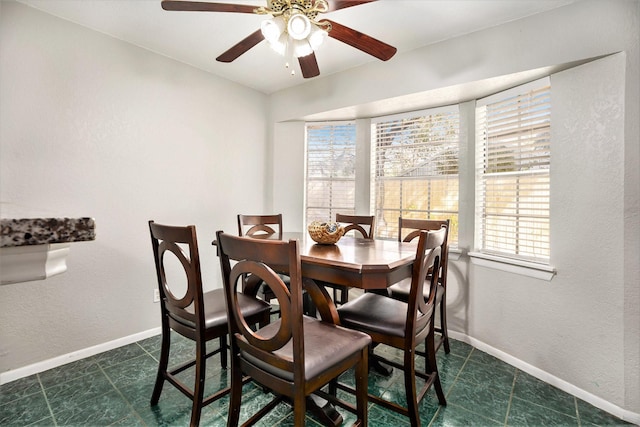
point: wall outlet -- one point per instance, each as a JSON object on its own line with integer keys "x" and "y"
{"x": 156, "y": 295}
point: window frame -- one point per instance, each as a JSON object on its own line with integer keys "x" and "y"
{"x": 535, "y": 265}
{"x": 331, "y": 208}
{"x": 446, "y": 179}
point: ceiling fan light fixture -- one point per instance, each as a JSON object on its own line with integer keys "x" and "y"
{"x": 317, "y": 37}
{"x": 280, "y": 45}
{"x": 299, "y": 26}
{"x": 301, "y": 48}
{"x": 272, "y": 29}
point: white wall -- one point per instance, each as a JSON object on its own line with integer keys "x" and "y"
{"x": 582, "y": 329}
{"x": 92, "y": 126}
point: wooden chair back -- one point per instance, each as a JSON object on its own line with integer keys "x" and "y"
{"x": 258, "y": 258}
{"x": 257, "y": 225}
{"x": 358, "y": 223}
{"x": 409, "y": 229}
{"x": 420, "y": 312}
{"x": 181, "y": 302}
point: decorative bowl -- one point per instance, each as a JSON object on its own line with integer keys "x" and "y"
{"x": 325, "y": 233}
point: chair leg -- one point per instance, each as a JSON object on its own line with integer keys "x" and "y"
{"x": 299, "y": 408}
{"x": 431, "y": 367}
{"x": 410, "y": 387}
{"x": 198, "y": 391}
{"x": 162, "y": 365}
{"x": 362, "y": 387}
{"x": 235, "y": 396}
{"x": 223, "y": 351}
{"x": 443, "y": 323}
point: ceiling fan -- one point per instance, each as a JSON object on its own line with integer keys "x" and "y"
{"x": 293, "y": 30}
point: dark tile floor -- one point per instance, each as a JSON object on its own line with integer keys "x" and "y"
{"x": 114, "y": 388}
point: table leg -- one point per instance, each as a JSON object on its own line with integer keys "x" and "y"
{"x": 324, "y": 411}
{"x": 377, "y": 366}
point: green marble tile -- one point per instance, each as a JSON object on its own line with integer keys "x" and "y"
{"x": 139, "y": 369}
{"x": 453, "y": 415}
{"x": 25, "y": 411}
{"x": 103, "y": 410}
{"x": 70, "y": 394}
{"x": 498, "y": 376}
{"x": 119, "y": 355}
{"x": 449, "y": 366}
{"x": 533, "y": 390}
{"x": 19, "y": 388}
{"x": 524, "y": 413}
{"x": 173, "y": 408}
{"x": 47, "y": 422}
{"x": 589, "y": 415}
{"x": 68, "y": 372}
{"x": 130, "y": 421}
{"x": 382, "y": 417}
{"x": 485, "y": 358}
{"x": 458, "y": 348}
{"x": 151, "y": 345}
{"x": 480, "y": 398}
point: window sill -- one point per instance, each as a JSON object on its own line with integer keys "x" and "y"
{"x": 454, "y": 254}
{"x": 523, "y": 268}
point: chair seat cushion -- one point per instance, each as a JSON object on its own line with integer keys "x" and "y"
{"x": 215, "y": 309}
{"x": 325, "y": 345}
{"x": 373, "y": 313}
{"x": 401, "y": 290}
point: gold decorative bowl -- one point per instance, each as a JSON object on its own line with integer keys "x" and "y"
{"x": 325, "y": 233}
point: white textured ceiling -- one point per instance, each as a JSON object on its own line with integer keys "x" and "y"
{"x": 197, "y": 38}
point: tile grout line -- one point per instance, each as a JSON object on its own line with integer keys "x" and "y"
{"x": 46, "y": 399}
{"x": 455, "y": 380}
{"x": 122, "y": 396}
{"x": 513, "y": 389}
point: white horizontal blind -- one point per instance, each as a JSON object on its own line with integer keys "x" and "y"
{"x": 513, "y": 154}
{"x": 415, "y": 169}
{"x": 330, "y": 171}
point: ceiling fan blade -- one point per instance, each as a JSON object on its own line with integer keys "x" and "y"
{"x": 361, "y": 41}
{"x": 197, "y": 6}
{"x": 309, "y": 66}
{"x": 342, "y": 4}
{"x": 241, "y": 47}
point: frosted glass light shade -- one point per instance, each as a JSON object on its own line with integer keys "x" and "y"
{"x": 299, "y": 26}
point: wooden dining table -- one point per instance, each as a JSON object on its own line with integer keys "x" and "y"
{"x": 356, "y": 262}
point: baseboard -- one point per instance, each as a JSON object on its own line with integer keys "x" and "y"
{"x": 563, "y": 385}
{"x": 12, "y": 375}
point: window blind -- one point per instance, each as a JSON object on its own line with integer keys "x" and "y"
{"x": 513, "y": 154}
{"x": 415, "y": 169}
{"x": 330, "y": 170}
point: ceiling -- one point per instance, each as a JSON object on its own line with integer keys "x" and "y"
{"x": 197, "y": 38}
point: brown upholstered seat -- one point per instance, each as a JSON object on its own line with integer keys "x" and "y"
{"x": 191, "y": 313}
{"x": 404, "y": 325}
{"x": 408, "y": 229}
{"x": 296, "y": 355}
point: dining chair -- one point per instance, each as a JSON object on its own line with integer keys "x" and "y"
{"x": 403, "y": 325}
{"x": 365, "y": 228}
{"x": 295, "y": 355}
{"x": 194, "y": 314}
{"x": 260, "y": 226}
{"x": 408, "y": 229}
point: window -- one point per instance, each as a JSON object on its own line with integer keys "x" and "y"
{"x": 331, "y": 170}
{"x": 512, "y": 172}
{"x": 415, "y": 169}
